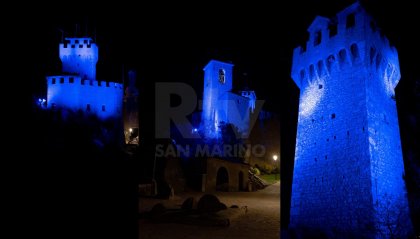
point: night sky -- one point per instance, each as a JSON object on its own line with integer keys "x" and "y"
{"x": 173, "y": 42}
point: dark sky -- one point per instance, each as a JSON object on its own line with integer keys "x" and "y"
{"x": 173, "y": 42}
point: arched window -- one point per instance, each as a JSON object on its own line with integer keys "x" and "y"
{"x": 330, "y": 61}
{"x": 302, "y": 74}
{"x": 342, "y": 55}
{"x": 222, "y": 78}
{"x": 311, "y": 72}
{"x": 320, "y": 67}
{"x": 354, "y": 51}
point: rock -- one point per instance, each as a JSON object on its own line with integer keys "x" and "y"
{"x": 188, "y": 204}
{"x": 210, "y": 203}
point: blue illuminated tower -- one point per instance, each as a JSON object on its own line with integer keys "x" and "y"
{"x": 348, "y": 169}
{"x": 217, "y": 83}
{"x": 77, "y": 87}
{"x": 79, "y": 56}
{"x": 221, "y": 105}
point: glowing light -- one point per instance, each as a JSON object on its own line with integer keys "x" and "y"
{"x": 310, "y": 98}
{"x": 41, "y": 102}
{"x": 275, "y": 157}
{"x": 390, "y": 76}
{"x": 195, "y": 129}
{"x": 131, "y": 130}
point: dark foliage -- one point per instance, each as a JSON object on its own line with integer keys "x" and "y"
{"x": 79, "y": 180}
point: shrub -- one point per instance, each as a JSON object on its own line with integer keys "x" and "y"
{"x": 255, "y": 171}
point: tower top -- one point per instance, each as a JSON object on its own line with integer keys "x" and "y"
{"x": 78, "y": 40}
{"x": 350, "y": 31}
{"x": 216, "y": 62}
{"x": 321, "y": 22}
{"x": 79, "y": 55}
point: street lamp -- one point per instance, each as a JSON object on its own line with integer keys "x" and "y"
{"x": 275, "y": 160}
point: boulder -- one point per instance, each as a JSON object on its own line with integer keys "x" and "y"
{"x": 209, "y": 203}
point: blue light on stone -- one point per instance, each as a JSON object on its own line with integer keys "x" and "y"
{"x": 348, "y": 168}
{"x": 77, "y": 88}
{"x": 310, "y": 98}
{"x": 220, "y": 104}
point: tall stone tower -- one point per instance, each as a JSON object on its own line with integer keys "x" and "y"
{"x": 348, "y": 169}
{"x": 77, "y": 88}
{"x": 79, "y": 56}
{"x": 217, "y": 84}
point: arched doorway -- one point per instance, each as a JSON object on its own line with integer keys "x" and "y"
{"x": 222, "y": 180}
{"x": 241, "y": 181}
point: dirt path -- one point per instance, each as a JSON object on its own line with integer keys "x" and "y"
{"x": 262, "y": 219}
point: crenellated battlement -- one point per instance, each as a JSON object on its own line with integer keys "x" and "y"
{"x": 324, "y": 31}
{"x": 91, "y": 96}
{"x": 85, "y": 46}
{"x": 80, "y": 42}
{"x": 78, "y": 81}
{"x": 340, "y": 43}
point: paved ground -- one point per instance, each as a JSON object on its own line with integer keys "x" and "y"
{"x": 262, "y": 219}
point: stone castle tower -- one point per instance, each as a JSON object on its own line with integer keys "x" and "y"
{"x": 79, "y": 55}
{"x": 217, "y": 82}
{"x": 220, "y": 104}
{"x": 77, "y": 87}
{"x": 348, "y": 169}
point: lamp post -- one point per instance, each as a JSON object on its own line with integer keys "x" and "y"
{"x": 275, "y": 157}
